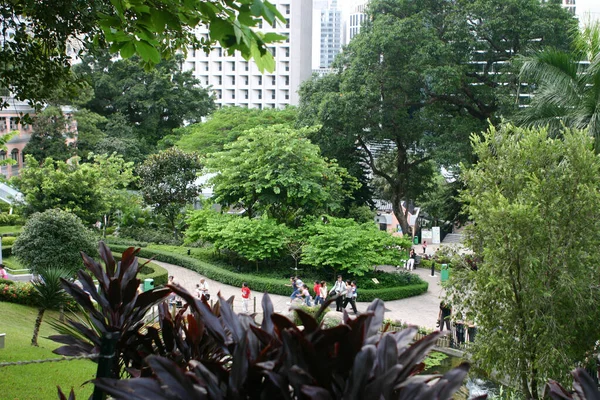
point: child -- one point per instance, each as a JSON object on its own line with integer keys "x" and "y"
{"x": 317, "y": 290}
{"x": 351, "y": 296}
{"x": 296, "y": 288}
{"x": 306, "y": 295}
{"x": 245, "y": 297}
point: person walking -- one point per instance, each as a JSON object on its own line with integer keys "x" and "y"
{"x": 339, "y": 289}
{"x": 323, "y": 291}
{"x": 245, "y": 297}
{"x": 3, "y": 273}
{"x": 444, "y": 315}
{"x": 410, "y": 263}
{"x": 351, "y": 295}
{"x": 296, "y": 288}
{"x": 424, "y": 246}
{"x": 317, "y": 290}
{"x": 306, "y": 295}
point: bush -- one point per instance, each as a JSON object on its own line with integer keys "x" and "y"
{"x": 124, "y": 241}
{"x": 18, "y": 292}
{"x": 150, "y": 235}
{"x": 8, "y": 240}
{"x": 54, "y": 238}
{"x": 11, "y": 219}
{"x": 6, "y": 282}
{"x": 264, "y": 284}
{"x": 312, "y": 311}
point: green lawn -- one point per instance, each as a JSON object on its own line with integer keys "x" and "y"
{"x": 37, "y": 381}
{"x": 10, "y": 229}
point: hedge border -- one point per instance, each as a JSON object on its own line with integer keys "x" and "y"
{"x": 260, "y": 284}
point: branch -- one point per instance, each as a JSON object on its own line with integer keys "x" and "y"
{"x": 374, "y": 168}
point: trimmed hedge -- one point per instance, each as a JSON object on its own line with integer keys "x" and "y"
{"x": 262, "y": 284}
{"x": 18, "y": 292}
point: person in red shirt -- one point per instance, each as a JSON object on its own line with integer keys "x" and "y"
{"x": 317, "y": 290}
{"x": 245, "y": 297}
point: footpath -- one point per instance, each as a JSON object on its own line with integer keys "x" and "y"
{"x": 420, "y": 310}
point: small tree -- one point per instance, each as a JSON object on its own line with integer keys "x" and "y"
{"x": 346, "y": 245}
{"x": 534, "y": 202}
{"x": 167, "y": 182}
{"x": 49, "y": 294}
{"x": 53, "y": 239}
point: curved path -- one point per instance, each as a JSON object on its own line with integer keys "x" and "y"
{"x": 419, "y": 310}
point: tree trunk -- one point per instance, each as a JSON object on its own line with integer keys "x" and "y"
{"x": 400, "y": 216}
{"x": 61, "y": 315}
{"x": 36, "y": 328}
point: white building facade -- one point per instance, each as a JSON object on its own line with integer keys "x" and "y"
{"x": 237, "y": 82}
{"x": 330, "y": 34}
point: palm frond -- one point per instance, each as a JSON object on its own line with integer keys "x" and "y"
{"x": 49, "y": 291}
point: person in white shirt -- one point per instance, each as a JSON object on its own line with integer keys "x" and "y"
{"x": 203, "y": 289}
{"x": 339, "y": 289}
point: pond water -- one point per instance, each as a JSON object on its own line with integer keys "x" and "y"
{"x": 476, "y": 384}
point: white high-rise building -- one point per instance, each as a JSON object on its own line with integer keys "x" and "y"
{"x": 330, "y": 34}
{"x": 354, "y": 21}
{"x": 235, "y": 81}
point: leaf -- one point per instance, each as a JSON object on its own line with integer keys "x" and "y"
{"x": 147, "y": 52}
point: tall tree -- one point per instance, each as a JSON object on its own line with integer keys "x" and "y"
{"x": 168, "y": 182}
{"x": 152, "y": 102}
{"x": 35, "y": 56}
{"x": 276, "y": 171}
{"x": 421, "y": 76}
{"x": 533, "y": 201}
{"x": 89, "y": 190}
{"x": 226, "y": 124}
{"x": 567, "y": 85}
{"x": 50, "y": 132}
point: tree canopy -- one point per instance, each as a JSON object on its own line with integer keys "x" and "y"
{"x": 42, "y": 37}
{"x": 226, "y": 124}
{"x": 533, "y": 203}
{"x": 88, "y": 190}
{"x": 420, "y": 77}
{"x": 168, "y": 182}
{"x": 566, "y": 85}
{"x": 278, "y": 172}
{"x": 48, "y": 139}
{"x": 152, "y": 103}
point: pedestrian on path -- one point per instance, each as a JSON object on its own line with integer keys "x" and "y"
{"x": 245, "y": 297}
{"x": 306, "y": 295}
{"x": 323, "y": 291}
{"x": 203, "y": 288}
{"x": 424, "y": 246}
{"x": 444, "y": 315}
{"x": 339, "y": 289}
{"x": 410, "y": 263}
{"x": 351, "y": 295}
{"x": 317, "y": 290}
{"x": 297, "y": 288}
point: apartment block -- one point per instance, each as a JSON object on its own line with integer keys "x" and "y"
{"x": 235, "y": 81}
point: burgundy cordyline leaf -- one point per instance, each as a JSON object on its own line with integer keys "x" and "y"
{"x": 556, "y": 391}
{"x": 133, "y": 389}
{"x": 387, "y": 354}
{"x": 62, "y": 396}
{"x": 107, "y": 257}
{"x": 361, "y": 372}
{"x": 172, "y": 378}
{"x": 96, "y": 269}
{"x": 310, "y": 324}
{"x": 231, "y": 322}
{"x": 584, "y": 385}
{"x": 267, "y": 306}
{"x": 316, "y": 393}
{"x": 89, "y": 286}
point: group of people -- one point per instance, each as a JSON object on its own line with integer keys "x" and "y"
{"x": 345, "y": 291}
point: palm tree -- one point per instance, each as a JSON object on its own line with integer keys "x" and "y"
{"x": 49, "y": 293}
{"x": 566, "y": 86}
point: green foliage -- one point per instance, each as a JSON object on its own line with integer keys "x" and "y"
{"x": 18, "y": 292}
{"x": 419, "y": 78}
{"x": 11, "y": 219}
{"x": 533, "y": 201}
{"x": 226, "y": 124}
{"x": 37, "y": 59}
{"x": 88, "y": 190}
{"x": 167, "y": 182}
{"x": 151, "y": 270}
{"x": 276, "y": 171}
{"x": 434, "y": 359}
{"x": 346, "y": 245}
{"x": 152, "y": 104}
{"x": 567, "y": 84}
{"x": 267, "y": 284}
{"x": 51, "y": 128}
{"x": 54, "y": 239}
{"x": 314, "y": 311}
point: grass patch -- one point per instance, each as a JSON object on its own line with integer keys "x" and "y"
{"x": 10, "y": 229}
{"x": 14, "y": 266}
{"x": 37, "y": 381}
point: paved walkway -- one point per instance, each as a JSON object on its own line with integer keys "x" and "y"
{"x": 419, "y": 310}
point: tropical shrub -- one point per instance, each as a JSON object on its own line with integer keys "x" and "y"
{"x": 17, "y": 292}
{"x": 215, "y": 353}
{"x": 53, "y": 238}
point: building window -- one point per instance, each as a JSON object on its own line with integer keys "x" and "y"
{"x": 2, "y": 124}
{"x": 273, "y": 94}
{"x": 220, "y": 52}
{"x": 260, "y": 80}
{"x": 14, "y": 154}
{"x": 260, "y": 95}
{"x": 13, "y": 124}
{"x": 273, "y": 80}
{"x": 233, "y": 80}
{"x": 287, "y": 80}
{"x": 287, "y": 23}
{"x": 219, "y": 80}
{"x": 245, "y": 94}
{"x": 2, "y": 155}
{"x": 246, "y": 80}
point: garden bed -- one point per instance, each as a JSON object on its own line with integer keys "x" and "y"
{"x": 408, "y": 285}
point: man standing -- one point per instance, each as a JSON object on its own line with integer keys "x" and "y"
{"x": 245, "y": 297}
{"x": 339, "y": 289}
